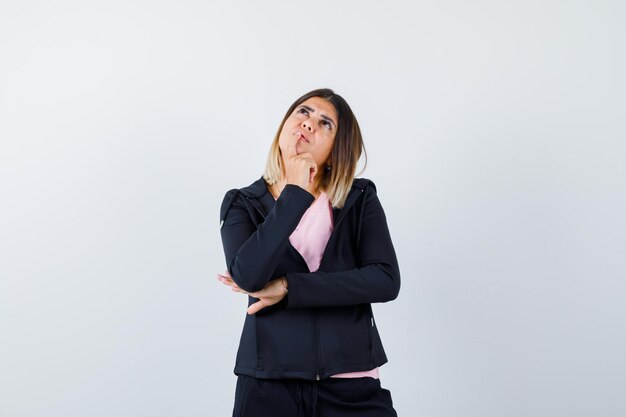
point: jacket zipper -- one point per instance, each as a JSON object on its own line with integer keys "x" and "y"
{"x": 318, "y": 353}
{"x": 317, "y": 345}
{"x": 316, "y": 325}
{"x": 317, "y": 350}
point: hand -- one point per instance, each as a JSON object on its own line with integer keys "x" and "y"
{"x": 300, "y": 169}
{"x": 228, "y": 280}
{"x": 274, "y": 292}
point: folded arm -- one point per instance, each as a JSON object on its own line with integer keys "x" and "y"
{"x": 253, "y": 253}
{"x": 376, "y": 280}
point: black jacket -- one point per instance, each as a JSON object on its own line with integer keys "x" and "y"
{"x": 325, "y": 324}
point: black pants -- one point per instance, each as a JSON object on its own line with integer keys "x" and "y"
{"x": 331, "y": 397}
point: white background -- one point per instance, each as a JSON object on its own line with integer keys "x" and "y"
{"x": 495, "y": 134}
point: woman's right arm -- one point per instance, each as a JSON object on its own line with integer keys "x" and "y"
{"x": 253, "y": 253}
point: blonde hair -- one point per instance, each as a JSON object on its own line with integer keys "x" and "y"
{"x": 339, "y": 172}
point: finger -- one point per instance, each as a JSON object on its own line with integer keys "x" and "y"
{"x": 260, "y": 294}
{"x": 236, "y": 287}
{"x": 224, "y": 280}
{"x": 224, "y": 277}
{"x": 312, "y": 174}
{"x": 307, "y": 155}
{"x": 231, "y": 284}
{"x": 291, "y": 146}
{"x": 254, "y": 308}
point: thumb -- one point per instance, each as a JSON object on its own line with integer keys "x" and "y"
{"x": 312, "y": 173}
{"x": 255, "y": 307}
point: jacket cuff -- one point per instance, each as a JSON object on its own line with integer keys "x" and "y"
{"x": 298, "y": 192}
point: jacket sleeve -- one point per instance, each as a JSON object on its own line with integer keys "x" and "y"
{"x": 252, "y": 253}
{"x": 376, "y": 280}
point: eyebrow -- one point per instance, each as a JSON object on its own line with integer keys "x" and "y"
{"x": 323, "y": 116}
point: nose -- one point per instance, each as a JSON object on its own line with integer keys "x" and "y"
{"x": 307, "y": 125}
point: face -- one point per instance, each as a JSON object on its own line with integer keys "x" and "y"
{"x": 314, "y": 122}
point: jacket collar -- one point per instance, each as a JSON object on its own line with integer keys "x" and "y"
{"x": 258, "y": 194}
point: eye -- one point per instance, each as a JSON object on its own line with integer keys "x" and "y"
{"x": 327, "y": 124}
{"x": 303, "y": 110}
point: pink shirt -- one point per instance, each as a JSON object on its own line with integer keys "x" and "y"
{"x": 310, "y": 239}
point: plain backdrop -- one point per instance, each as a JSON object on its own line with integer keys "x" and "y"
{"x": 495, "y": 135}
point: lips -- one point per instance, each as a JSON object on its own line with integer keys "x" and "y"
{"x": 303, "y": 138}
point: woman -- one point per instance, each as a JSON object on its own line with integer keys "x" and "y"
{"x": 309, "y": 244}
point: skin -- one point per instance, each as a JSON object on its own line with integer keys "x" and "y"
{"x": 306, "y": 141}
{"x": 304, "y": 159}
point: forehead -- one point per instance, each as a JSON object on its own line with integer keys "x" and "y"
{"x": 321, "y": 106}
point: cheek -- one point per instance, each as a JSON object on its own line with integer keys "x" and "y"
{"x": 331, "y": 142}
{"x": 282, "y": 138}
{"x": 288, "y": 127}
{"x": 328, "y": 146}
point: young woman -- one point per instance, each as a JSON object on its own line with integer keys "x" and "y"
{"x": 309, "y": 244}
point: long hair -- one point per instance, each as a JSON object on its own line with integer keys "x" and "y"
{"x": 339, "y": 172}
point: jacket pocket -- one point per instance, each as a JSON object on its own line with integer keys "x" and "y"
{"x": 285, "y": 340}
{"x": 345, "y": 337}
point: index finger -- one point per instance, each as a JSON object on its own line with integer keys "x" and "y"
{"x": 293, "y": 142}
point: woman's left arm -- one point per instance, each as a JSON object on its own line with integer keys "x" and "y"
{"x": 376, "y": 281}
